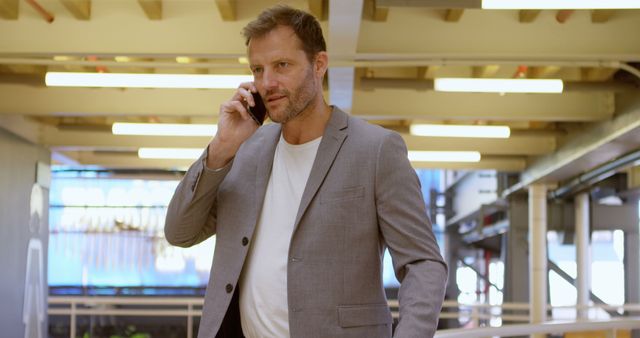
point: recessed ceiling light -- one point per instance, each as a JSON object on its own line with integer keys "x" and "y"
{"x": 444, "y": 156}
{"x": 560, "y": 4}
{"x": 164, "y": 129}
{"x": 472, "y": 85}
{"x": 123, "y": 80}
{"x": 445, "y": 130}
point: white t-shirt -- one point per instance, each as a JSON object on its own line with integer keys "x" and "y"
{"x": 264, "y": 308}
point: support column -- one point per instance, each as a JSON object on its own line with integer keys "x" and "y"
{"x": 583, "y": 253}
{"x": 632, "y": 250}
{"x": 453, "y": 245}
{"x": 514, "y": 252}
{"x": 632, "y": 272}
{"x": 538, "y": 254}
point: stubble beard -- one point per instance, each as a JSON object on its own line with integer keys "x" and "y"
{"x": 299, "y": 100}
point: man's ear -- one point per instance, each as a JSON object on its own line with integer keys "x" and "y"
{"x": 321, "y": 63}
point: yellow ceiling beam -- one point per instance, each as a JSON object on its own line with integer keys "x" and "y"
{"x": 532, "y": 144}
{"x": 523, "y": 145}
{"x": 152, "y": 8}
{"x": 378, "y": 103}
{"x": 93, "y": 138}
{"x": 500, "y": 163}
{"x": 23, "y": 69}
{"x": 528, "y": 16}
{"x": 130, "y": 160}
{"x": 9, "y": 9}
{"x": 597, "y": 73}
{"x": 319, "y": 8}
{"x": 374, "y": 12}
{"x": 426, "y": 72}
{"x": 431, "y": 105}
{"x": 633, "y": 177}
{"x": 602, "y": 15}
{"x": 453, "y": 15}
{"x": 227, "y": 9}
{"x": 542, "y": 72}
{"x": 380, "y": 14}
{"x": 485, "y": 71}
{"x": 124, "y": 160}
{"x": 80, "y": 9}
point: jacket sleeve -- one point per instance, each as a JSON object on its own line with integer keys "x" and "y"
{"x": 408, "y": 234}
{"x": 191, "y": 215}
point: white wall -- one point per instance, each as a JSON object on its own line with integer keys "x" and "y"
{"x": 17, "y": 175}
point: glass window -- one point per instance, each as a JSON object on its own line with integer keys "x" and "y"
{"x": 109, "y": 232}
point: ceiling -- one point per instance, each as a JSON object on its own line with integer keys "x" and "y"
{"x": 384, "y": 55}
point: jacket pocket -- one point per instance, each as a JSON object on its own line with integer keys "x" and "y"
{"x": 363, "y": 315}
{"x": 342, "y": 195}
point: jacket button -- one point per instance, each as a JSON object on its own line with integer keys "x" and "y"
{"x": 245, "y": 241}
{"x": 229, "y": 288}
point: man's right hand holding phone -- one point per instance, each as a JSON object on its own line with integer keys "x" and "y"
{"x": 235, "y": 126}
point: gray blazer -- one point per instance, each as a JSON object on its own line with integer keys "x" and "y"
{"x": 361, "y": 196}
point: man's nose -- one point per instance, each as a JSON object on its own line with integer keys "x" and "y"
{"x": 269, "y": 80}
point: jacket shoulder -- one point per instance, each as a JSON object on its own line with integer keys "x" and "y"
{"x": 367, "y": 132}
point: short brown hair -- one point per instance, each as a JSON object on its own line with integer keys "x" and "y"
{"x": 305, "y": 26}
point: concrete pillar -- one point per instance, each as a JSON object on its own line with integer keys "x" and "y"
{"x": 453, "y": 245}
{"x": 514, "y": 252}
{"x": 632, "y": 250}
{"x": 583, "y": 253}
{"x": 632, "y": 272}
{"x": 537, "y": 254}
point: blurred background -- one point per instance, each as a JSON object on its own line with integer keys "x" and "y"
{"x": 522, "y": 122}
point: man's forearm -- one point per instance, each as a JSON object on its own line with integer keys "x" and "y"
{"x": 191, "y": 215}
{"x": 421, "y": 296}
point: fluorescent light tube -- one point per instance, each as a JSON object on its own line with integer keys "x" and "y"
{"x": 164, "y": 129}
{"x": 444, "y": 130}
{"x": 498, "y": 85}
{"x": 198, "y": 81}
{"x": 560, "y": 4}
{"x": 444, "y": 156}
{"x": 170, "y": 153}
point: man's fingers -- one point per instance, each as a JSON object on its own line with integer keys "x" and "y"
{"x": 246, "y": 96}
{"x": 248, "y": 86}
{"x": 238, "y": 107}
{"x": 241, "y": 101}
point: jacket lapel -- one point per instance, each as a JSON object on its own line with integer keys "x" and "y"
{"x": 264, "y": 165}
{"x": 332, "y": 139}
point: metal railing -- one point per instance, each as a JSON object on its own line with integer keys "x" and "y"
{"x": 476, "y": 315}
{"x": 188, "y": 307}
{"x": 610, "y": 326}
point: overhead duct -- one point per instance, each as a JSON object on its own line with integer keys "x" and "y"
{"x": 593, "y": 176}
{"x": 614, "y": 142}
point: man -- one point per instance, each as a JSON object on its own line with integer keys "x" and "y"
{"x": 303, "y": 208}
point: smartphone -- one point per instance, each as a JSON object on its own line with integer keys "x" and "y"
{"x": 258, "y": 112}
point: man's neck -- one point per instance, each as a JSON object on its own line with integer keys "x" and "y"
{"x": 308, "y": 125}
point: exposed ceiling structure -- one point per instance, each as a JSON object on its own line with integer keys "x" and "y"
{"x": 384, "y": 56}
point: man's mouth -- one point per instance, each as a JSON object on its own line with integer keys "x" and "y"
{"x": 275, "y": 98}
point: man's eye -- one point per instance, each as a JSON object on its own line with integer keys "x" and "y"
{"x": 283, "y": 64}
{"x": 256, "y": 70}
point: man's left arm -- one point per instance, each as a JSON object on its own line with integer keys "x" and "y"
{"x": 407, "y": 231}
